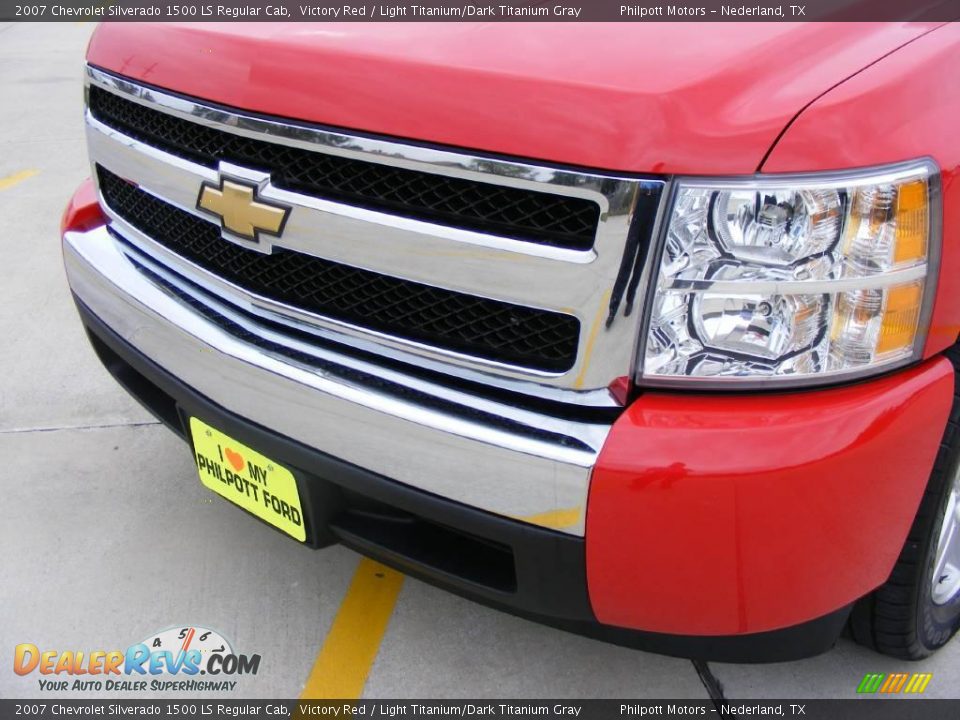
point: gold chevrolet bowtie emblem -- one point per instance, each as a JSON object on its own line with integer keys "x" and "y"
{"x": 240, "y": 211}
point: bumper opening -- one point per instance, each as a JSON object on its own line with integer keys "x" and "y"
{"x": 381, "y": 529}
{"x": 145, "y": 392}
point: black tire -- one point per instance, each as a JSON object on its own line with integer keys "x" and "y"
{"x": 900, "y": 618}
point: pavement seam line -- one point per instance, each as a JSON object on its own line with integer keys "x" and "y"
{"x": 59, "y": 428}
{"x": 18, "y": 177}
{"x": 712, "y": 684}
{"x": 353, "y": 641}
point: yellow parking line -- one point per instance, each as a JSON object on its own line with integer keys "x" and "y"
{"x": 594, "y": 330}
{"x": 343, "y": 663}
{"x": 556, "y": 519}
{"x": 18, "y": 177}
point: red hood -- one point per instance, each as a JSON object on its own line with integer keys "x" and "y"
{"x": 654, "y": 97}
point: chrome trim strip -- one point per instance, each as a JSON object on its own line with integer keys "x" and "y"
{"x": 816, "y": 180}
{"x": 563, "y": 280}
{"x": 521, "y": 475}
{"x": 592, "y": 186}
{"x": 800, "y": 287}
{"x": 772, "y": 383}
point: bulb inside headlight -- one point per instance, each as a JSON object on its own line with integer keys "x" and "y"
{"x": 792, "y": 279}
{"x": 776, "y": 227}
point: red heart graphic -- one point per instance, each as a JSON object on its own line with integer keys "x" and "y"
{"x": 235, "y": 458}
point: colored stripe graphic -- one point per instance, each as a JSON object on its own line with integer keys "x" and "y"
{"x": 893, "y": 683}
{"x": 918, "y": 682}
{"x": 871, "y": 682}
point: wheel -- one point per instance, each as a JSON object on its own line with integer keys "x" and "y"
{"x": 918, "y": 609}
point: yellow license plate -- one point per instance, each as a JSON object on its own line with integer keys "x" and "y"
{"x": 247, "y": 478}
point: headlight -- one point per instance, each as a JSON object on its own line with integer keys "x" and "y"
{"x": 793, "y": 279}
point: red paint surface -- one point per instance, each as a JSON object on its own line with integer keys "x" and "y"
{"x": 904, "y": 107}
{"x": 661, "y": 98}
{"x": 716, "y": 515}
{"x": 83, "y": 211}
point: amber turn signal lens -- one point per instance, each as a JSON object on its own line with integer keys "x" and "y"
{"x": 912, "y": 220}
{"x": 901, "y": 316}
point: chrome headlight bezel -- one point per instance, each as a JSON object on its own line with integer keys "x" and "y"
{"x": 844, "y": 179}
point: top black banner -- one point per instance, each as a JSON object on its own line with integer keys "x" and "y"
{"x": 542, "y": 709}
{"x": 499, "y": 11}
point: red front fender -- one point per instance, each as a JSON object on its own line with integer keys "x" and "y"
{"x": 720, "y": 515}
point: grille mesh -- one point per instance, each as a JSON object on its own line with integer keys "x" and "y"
{"x": 512, "y": 212}
{"x": 484, "y": 328}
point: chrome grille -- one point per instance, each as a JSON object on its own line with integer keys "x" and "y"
{"x": 523, "y": 214}
{"x": 510, "y": 274}
{"x": 478, "y": 326}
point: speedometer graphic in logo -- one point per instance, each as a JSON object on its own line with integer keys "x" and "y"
{"x": 189, "y": 650}
{"x": 182, "y": 639}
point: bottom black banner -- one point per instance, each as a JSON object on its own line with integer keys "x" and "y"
{"x": 852, "y": 709}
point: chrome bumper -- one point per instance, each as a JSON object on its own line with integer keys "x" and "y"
{"x": 490, "y": 455}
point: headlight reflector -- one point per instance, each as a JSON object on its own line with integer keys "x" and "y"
{"x": 792, "y": 279}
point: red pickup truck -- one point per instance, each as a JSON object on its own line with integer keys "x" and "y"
{"x": 648, "y": 332}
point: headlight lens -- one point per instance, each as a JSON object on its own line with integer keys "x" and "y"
{"x": 793, "y": 279}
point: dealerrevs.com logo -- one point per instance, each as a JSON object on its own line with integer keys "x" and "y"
{"x": 171, "y": 660}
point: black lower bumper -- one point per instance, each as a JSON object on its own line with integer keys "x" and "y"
{"x": 520, "y": 568}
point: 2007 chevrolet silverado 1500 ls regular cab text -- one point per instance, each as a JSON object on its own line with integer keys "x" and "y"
{"x": 644, "y": 331}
